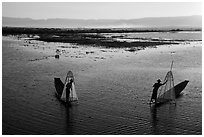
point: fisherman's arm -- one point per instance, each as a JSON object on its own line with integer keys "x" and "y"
{"x": 164, "y": 82}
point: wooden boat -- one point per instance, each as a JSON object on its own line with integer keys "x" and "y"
{"x": 178, "y": 89}
{"x": 59, "y": 86}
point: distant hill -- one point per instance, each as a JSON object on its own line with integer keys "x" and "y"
{"x": 153, "y": 22}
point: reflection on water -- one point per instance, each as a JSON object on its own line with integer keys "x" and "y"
{"x": 71, "y": 114}
{"x": 68, "y": 121}
{"x": 67, "y": 117}
{"x": 163, "y": 116}
{"x": 153, "y": 110}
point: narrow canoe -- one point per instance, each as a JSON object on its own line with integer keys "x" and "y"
{"x": 178, "y": 89}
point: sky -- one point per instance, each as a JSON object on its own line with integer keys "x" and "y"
{"x": 99, "y": 10}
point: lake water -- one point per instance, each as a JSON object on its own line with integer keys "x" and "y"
{"x": 113, "y": 86}
{"x": 182, "y": 35}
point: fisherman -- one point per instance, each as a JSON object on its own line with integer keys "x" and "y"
{"x": 68, "y": 88}
{"x": 156, "y": 87}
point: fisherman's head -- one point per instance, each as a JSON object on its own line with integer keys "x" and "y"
{"x": 158, "y": 80}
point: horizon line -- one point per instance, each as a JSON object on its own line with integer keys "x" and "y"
{"x": 98, "y": 19}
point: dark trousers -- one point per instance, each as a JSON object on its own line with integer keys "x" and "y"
{"x": 67, "y": 95}
{"x": 154, "y": 95}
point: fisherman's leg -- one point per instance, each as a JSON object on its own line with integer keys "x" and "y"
{"x": 67, "y": 96}
{"x": 151, "y": 98}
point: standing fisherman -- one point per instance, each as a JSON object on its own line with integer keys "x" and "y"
{"x": 68, "y": 88}
{"x": 154, "y": 93}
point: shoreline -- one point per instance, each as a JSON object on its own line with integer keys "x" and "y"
{"x": 98, "y": 37}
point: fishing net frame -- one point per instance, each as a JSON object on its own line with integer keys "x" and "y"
{"x": 167, "y": 91}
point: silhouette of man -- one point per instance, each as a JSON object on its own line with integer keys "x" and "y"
{"x": 68, "y": 88}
